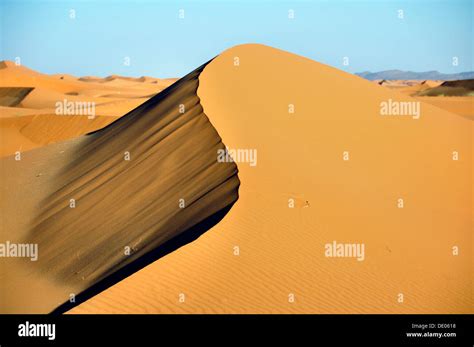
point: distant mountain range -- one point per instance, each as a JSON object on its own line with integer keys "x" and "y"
{"x": 410, "y": 75}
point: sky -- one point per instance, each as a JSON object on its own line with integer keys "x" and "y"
{"x": 136, "y": 38}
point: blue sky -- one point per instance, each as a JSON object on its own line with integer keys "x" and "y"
{"x": 159, "y": 43}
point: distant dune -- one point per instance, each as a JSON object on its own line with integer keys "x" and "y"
{"x": 26, "y": 92}
{"x": 410, "y": 75}
{"x": 65, "y": 77}
{"x": 399, "y": 83}
{"x": 117, "y": 77}
{"x": 453, "y": 96}
{"x": 467, "y": 84}
{"x": 447, "y": 91}
{"x": 6, "y": 63}
{"x": 13, "y": 96}
{"x": 451, "y": 88}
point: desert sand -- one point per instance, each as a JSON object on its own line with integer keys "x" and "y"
{"x": 330, "y": 169}
{"x": 462, "y": 105}
{"x": 300, "y": 157}
{"x": 25, "y": 92}
{"x": 422, "y": 90}
{"x": 99, "y": 203}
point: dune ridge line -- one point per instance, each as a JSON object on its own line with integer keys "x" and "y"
{"x": 122, "y": 192}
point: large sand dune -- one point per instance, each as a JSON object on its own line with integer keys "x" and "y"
{"x": 149, "y": 182}
{"x": 281, "y": 250}
{"x": 268, "y": 255}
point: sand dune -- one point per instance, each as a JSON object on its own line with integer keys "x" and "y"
{"x": 125, "y": 80}
{"x": 281, "y": 250}
{"x": 41, "y": 98}
{"x": 64, "y": 77}
{"x": 451, "y": 88}
{"x": 112, "y": 78}
{"x": 13, "y": 96}
{"x": 463, "y": 106}
{"x": 12, "y": 112}
{"x": 39, "y": 130}
{"x": 431, "y": 83}
{"x": 459, "y": 100}
{"x": 12, "y": 75}
{"x": 170, "y": 185}
{"x": 26, "y": 92}
{"x": 398, "y": 83}
{"x": 467, "y": 84}
{"x": 409, "y": 87}
{"x": 268, "y": 255}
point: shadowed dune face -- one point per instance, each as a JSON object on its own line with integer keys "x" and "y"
{"x": 13, "y": 96}
{"x": 100, "y": 202}
{"x": 468, "y": 84}
{"x": 303, "y": 195}
{"x": 451, "y": 88}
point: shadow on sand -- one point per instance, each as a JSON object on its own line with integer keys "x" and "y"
{"x": 184, "y": 238}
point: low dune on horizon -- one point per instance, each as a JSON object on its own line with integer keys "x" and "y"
{"x": 314, "y": 158}
{"x": 29, "y": 116}
{"x": 453, "y": 96}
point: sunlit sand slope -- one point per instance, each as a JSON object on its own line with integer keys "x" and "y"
{"x": 400, "y": 192}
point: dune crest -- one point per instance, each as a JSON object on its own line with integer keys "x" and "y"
{"x": 102, "y": 201}
{"x": 331, "y": 169}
